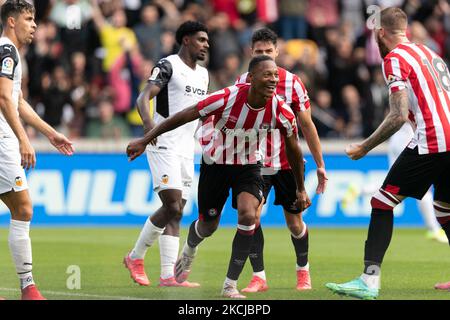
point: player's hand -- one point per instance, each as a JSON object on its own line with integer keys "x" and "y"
{"x": 322, "y": 180}
{"x": 27, "y": 155}
{"x": 135, "y": 148}
{"x": 61, "y": 143}
{"x": 355, "y": 151}
{"x": 303, "y": 201}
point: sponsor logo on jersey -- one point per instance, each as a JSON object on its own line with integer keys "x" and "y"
{"x": 155, "y": 73}
{"x": 8, "y": 66}
{"x": 18, "y": 181}
{"x": 165, "y": 179}
{"x": 212, "y": 212}
{"x": 194, "y": 90}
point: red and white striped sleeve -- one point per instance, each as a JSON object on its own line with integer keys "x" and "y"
{"x": 396, "y": 72}
{"x": 241, "y": 79}
{"x": 300, "y": 99}
{"x": 214, "y": 103}
{"x": 285, "y": 118}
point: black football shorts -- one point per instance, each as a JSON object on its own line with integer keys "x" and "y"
{"x": 215, "y": 183}
{"x": 412, "y": 174}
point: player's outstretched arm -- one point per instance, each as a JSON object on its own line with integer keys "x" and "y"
{"x": 58, "y": 140}
{"x": 295, "y": 159}
{"x": 136, "y": 147}
{"x": 397, "y": 116}
{"x": 312, "y": 139}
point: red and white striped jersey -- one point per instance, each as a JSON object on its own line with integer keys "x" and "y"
{"x": 292, "y": 90}
{"x": 425, "y": 75}
{"x": 234, "y": 130}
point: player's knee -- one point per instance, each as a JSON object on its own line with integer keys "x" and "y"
{"x": 173, "y": 224}
{"x": 295, "y": 227}
{"x": 173, "y": 210}
{"x": 384, "y": 200}
{"x": 294, "y": 223}
{"x": 23, "y": 212}
{"x": 246, "y": 214}
{"x": 246, "y": 218}
{"x": 442, "y": 212}
{"x": 177, "y": 218}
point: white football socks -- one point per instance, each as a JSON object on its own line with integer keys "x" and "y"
{"x": 372, "y": 281}
{"x": 306, "y": 267}
{"x": 229, "y": 283}
{"x": 260, "y": 274}
{"x": 149, "y": 234}
{"x": 168, "y": 250}
{"x": 20, "y": 247}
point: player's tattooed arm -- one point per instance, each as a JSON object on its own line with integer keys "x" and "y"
{"x": 397, "y": 116}
{"x": 137, "y": 147}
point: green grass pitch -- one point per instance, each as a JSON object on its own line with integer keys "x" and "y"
{"x": 412, "y": 265}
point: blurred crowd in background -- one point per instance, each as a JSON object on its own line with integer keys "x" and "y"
{"x": 90, "y": 58}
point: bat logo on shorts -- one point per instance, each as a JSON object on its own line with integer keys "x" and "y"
{"x": 165, "y": 179}
{"x": 18, "y": 181}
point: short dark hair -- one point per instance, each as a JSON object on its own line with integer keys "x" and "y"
{"x": 264, "y": 35}
{"x": 189, "y": 28}
{"x": 12, "y": 8}
{"x": 257, "y": 60}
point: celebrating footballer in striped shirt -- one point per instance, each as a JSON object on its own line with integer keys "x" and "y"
{"x": 419, "y": 87}
{"x": 278, "y": 174}
{"x": 241, "y": 114}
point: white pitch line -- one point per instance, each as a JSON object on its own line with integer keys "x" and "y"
{"x": 81, "y": 295}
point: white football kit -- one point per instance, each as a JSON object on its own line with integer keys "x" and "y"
{"x": 12, "y": 175}
{"x": 171, "y": 160}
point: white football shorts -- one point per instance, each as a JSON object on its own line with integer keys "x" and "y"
{"x": 12, "y": 175}
{"x": 171, "y": 171}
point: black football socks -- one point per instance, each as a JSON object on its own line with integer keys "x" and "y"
{"x": 378, "y": 239}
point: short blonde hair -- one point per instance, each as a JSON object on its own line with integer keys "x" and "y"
{"x": 393, "y": 19}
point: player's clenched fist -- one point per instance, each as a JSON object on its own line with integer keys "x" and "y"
{"x": 355, "y": 151}
{"x": 303, "y": 201}
{"x": 135, "y": 148}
